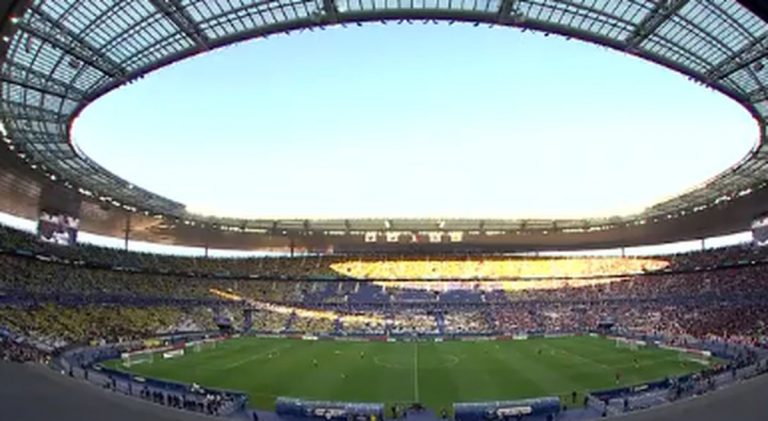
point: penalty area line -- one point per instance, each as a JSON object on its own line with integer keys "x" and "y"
{"x": 259, "y": 355}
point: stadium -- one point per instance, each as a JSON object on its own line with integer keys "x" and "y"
{"x": 368, "y": 318}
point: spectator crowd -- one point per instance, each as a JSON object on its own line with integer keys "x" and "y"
{"x": 85, "y": 294}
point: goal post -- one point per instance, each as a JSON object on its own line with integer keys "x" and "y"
{"x": 203, "y": 345}
{"x": 630, "y": 344}
{"x": 138, "y": 357}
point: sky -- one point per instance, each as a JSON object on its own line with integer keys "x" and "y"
{"x": 415, "y": 121}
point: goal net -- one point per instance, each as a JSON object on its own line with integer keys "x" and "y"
{"x": 203, "y": 346}
{"x": 627, "y": 344}
{"x": 688, "y": 357}
{"x": 138, "y": 357}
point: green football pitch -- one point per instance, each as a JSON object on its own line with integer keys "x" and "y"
{"x": 437, "y": 374}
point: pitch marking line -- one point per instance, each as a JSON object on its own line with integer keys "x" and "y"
{"x": 453, "y": 360}
{"x": 275, "y": 350}
{"x": 579, "y": 357}
{"x": 378, "y": 361}
{"x": 416, "y": 372}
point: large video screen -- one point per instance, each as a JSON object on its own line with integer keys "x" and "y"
{"x": 57, "y": 228}
{"x": 760, "y": 229}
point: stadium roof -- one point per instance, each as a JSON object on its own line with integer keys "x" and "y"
{"x": 56, "y": 57}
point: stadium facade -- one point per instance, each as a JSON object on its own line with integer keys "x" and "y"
{"x": 58, "y": 57}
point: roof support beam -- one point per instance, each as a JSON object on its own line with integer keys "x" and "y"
{"x": 33, "y": 79}
{"x": 663, "y": 10}
{"x": 750, "y": 53}
{"x": 49, "y": 30}
{"x": 331, "y": 11}
{"x": 751, "y": 178}
{"x": 25, "y": 112}
{"x": 758, "y": 95}
{"x": 36, "y": 136}
{"x": 176, "y": 13}
{"x": 40, "y": 146}
{"x": 505, "y": 11}
{"x": 26, "y": 85}
{"x": 57, "y": 154}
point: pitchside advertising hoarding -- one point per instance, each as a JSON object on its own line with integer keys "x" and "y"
{"x": 760, "y": 229}
{"x": 328, "y": 410}
{"x": 506, "y": 410}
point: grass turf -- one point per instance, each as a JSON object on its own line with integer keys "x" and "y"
{"x": 437, "y": 374}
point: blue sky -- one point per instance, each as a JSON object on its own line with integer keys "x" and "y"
{"x": 415, "y": 121}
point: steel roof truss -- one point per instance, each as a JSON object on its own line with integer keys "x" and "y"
{"x": 20, "y": 111}
{"x": 662, "y": 12}
{"x": 750, "y": 53}
{"x": 32, "y": 79}
{"x": 48, "y": 29}
{"x": 176, "y": 13}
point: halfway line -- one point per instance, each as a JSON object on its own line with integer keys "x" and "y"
{"x": 416, "y": 371}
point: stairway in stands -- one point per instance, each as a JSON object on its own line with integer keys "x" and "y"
{"x": 440, "y": 322}
{"x": 289, "y": 322}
